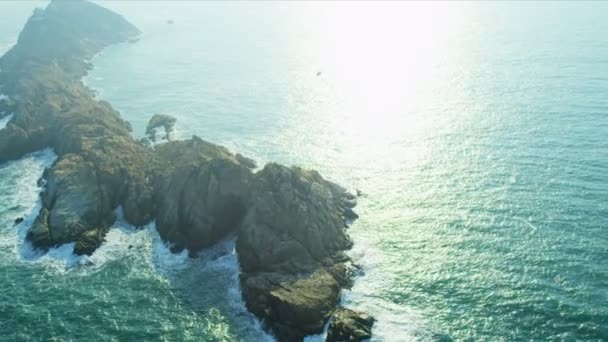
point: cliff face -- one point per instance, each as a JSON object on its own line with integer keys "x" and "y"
{"x": 289, "y": 222}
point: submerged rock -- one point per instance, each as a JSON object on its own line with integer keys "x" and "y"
{"x": 349, "y": 325}
{"x": 18, "y": 220}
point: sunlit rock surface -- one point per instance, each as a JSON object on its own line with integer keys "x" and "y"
{"x": 290, "y": 222}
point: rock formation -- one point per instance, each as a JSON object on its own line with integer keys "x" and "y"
{"x": 349, "y": 325}
{"x": 200, "y": 193}
{"x": 289, "y": 222}
{"x": 166, "y": 122}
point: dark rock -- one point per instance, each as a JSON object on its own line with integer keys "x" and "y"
{"x": 160, "y": 120}
{"x": 200, "y": 193}
{"x": 289, "y": 222}
{"x": 248, "y": 162}
{"x": 349, "y": 214}
{"x": 89, "y": 241}
{"x": 18, "y": 220}
{"x": 39, "y": 234}
{"x": 349, "y": 325}
{"x": 293, "y": 305}
{"x": 99, "y": 162}
{"x": 289, "y": 248}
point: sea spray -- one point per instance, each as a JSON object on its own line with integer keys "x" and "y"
{"x": 5, "y": 120}
{"x": 20, "y": 189}
{"x": 218, "y": 260}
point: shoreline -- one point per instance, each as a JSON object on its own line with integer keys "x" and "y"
{"x": 290, "y": 223}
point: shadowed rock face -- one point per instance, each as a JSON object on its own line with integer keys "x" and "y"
{"x": 200, "y": 193}
{"x": 289, "y": 222}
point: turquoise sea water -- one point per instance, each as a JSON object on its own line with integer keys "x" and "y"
{"x": 477, "y": 132}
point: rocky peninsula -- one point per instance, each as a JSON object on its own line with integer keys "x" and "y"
{"x": 290, "y": 223}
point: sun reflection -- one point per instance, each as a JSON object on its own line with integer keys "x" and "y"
{"x": 383, "y": 61}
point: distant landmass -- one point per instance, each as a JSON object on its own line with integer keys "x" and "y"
{"x": 290, "y": 222}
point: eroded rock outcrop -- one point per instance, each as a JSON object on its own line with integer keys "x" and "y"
{"x": 289, "y": 222}
{"x": 166, "y": 122}
{"x": 200, "y": 193}
{"x": 349, "y": 325}
{"x": 290, "y": 247}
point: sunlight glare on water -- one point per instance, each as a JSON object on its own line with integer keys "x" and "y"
{"x": 476, "y": 132}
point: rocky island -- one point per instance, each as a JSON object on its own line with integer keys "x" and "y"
{"x": 290, "y": 223}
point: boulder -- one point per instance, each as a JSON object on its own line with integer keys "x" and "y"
{"x": 349, "y": 325}
{"x": 293, "y": 305}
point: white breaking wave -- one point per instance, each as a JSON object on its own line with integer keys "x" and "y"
{"x": 319, "y": 337}
{"x": 5, "y": 120}
{"x": 221, "y": 258}
{"x": 393, "y": 322}
{"x": 122, "y": 241}
{"x": 19, "y": 191}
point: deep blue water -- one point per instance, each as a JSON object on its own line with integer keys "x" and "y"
{"x": 477, "y": 132}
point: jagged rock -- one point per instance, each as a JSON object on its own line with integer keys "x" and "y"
{"x": 290, "y": 250}
{"x": 89, "y": 241}
{"x": 167, "y": 122}
{"x": 289, "y": 222}
{"x": 39, "y": 234}
{"x": 349, "y": 214}
{"x": 248, "y": 162}
{"x": 349, "y": 325}
{"x": 100, "y": 166}
{"x": 200, "y": 193}
{"x": 294, "y": 221}
{"x": 75, "y": 199}
{"x": 294, "y": 305}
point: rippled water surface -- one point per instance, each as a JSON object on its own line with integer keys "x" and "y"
{"x": 477, "y": 132}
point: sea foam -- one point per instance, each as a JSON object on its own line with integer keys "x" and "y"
{"x": 5, "y": 120}
{"x": 220, "y": 258}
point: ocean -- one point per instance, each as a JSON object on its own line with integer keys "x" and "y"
{"x": 475, "y": 131}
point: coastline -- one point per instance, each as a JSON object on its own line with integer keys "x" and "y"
{"x": 84, "y": 187}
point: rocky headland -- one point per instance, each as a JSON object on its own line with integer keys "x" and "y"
{"x": 290, "y": 223}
